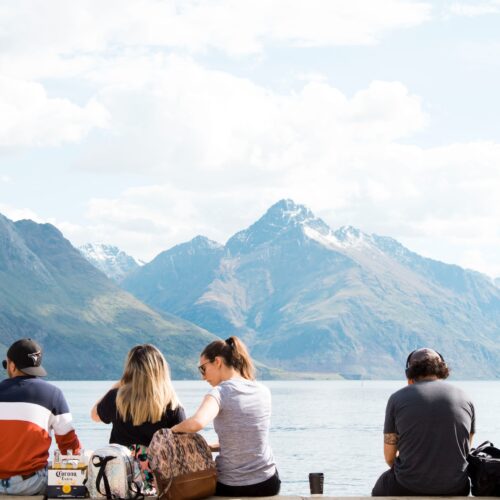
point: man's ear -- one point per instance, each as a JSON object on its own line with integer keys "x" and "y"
{"x": 11, "y": 368}
{"x": 14, "y": 370}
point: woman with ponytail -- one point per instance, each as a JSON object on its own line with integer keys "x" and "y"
{"x": 240, "y": 408}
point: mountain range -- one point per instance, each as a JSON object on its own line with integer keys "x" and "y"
{"x": 305, "y": 297}
{"x": 84, "y": 321}
{"x": 309, "y": 298}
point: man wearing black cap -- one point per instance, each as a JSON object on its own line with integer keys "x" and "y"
{"x": 427, "y": 433}
{"x": 30, "y": 409}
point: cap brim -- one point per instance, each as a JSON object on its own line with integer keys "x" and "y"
{"x": 37, "y": 371}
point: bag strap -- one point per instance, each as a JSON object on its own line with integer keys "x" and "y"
{"x": 481, "y": 447}
{"x": 165, "y": 490}
{"x": 100, "y": 463}
{"x": 135, "y": 488}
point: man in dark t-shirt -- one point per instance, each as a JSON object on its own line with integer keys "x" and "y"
{"x": 427, "y": 433}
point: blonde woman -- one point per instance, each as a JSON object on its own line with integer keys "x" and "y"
{"x": 240, "y": 408}
{"x": 140, "y": 403}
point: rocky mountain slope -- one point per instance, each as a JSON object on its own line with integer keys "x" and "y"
{"x": 308, "y": 298}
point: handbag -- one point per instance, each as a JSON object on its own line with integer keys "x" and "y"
{"x": 112, "y": 473}
{"x": 484, "y": 470}
{"x": 183, "y": 466}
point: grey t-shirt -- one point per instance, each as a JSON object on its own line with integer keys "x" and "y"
{"x": 433, "y": 420}
{"x": 242, "y": 426}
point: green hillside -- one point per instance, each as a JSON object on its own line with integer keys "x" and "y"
{"x": 85, "y": 322}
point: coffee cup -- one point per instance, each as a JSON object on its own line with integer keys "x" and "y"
{"x": 316, "y": 480}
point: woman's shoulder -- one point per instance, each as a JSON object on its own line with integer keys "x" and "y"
{"x": 106, "y": 407}
{"x": 177, "y": 409}
{"x": 231, "y": 393}
{"x": 112, "y": 393}
{"x": 173, "y": 416}
{"x": 240, "y": 381}
{"x": 241, "y": 385}
{"x": 109, "y": 398}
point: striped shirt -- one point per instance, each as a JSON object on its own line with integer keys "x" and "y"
{"x": 30, "y": 410}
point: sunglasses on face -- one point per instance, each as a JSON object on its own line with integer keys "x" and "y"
{"x": 202, "y": 368}
{"x": 4, "y": 364}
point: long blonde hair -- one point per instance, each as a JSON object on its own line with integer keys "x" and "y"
{"x": 145, "y": 390}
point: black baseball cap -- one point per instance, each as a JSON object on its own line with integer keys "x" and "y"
{"x": 27, "y": 356}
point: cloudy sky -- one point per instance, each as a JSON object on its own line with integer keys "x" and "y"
{"x": 142, "y": 123}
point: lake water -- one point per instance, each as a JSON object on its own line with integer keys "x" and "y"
{"x": 333, "y": 427}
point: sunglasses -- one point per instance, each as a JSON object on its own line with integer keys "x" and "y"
{"x": 202, "y": 368}
{"x": 4, "y": 364}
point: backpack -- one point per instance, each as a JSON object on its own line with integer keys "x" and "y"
{"x": 484, "y": 470}
{"x": 183, "y": 466}
{"x": 112, "y": 473}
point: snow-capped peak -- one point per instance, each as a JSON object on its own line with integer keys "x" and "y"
{"x": 279, "y": 219}
{"x": 99, "y": 251}
{"x": 346, "y": 237}
{"x": 109, "y": 259}
{"x": 351, "y": 236}
{"x": 201, "y": 241}
{"x": 287, "y": 211}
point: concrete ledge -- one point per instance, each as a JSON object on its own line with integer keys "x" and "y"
{"x": 278, "y": 497}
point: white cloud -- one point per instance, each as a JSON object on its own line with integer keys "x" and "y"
{"x": 176, "y": 120}
{"x": 31, "y": 118}
{"x": 56, "y": 37}
{"x": 475, "y": 9}
{"x": 149, "y": 219}
{"x": 17, "y": 213}
{"x": 219, "y": 149}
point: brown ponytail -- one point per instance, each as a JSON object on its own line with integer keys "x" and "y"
{"x": 234, "y": 353}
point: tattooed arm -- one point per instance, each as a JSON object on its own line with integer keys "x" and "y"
{"x": 390, "y": 448}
